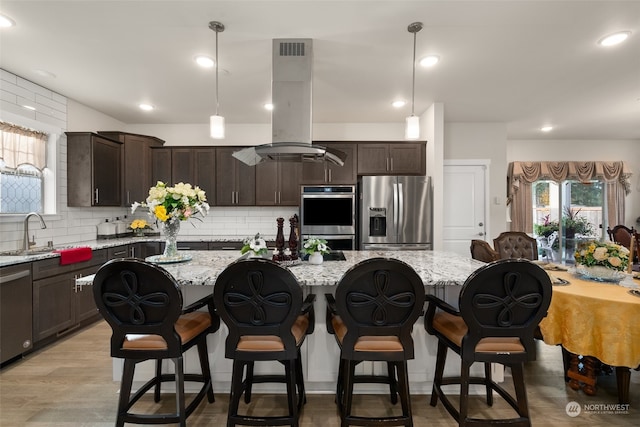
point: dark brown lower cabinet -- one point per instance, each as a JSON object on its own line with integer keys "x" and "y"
{"x": 58, "y": 304}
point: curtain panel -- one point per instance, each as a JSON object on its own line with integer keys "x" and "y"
{"x": 522, "y": 174}
{"x": 22, "y": 146}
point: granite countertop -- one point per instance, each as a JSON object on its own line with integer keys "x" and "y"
{"x": 11, "y": 257}
{"x": 434, "y": 267}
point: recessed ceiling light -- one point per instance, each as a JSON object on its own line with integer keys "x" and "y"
{"x": 45, "y": 73}
{"x": 398, "y": 104}
{"x": 6, "y": 22}
{"x": 29, "y": 107}
{"x": 204, "y": 61}
{"x": 546, "y": 128}
{"x": 429, "y": 61}
{"x": 268, "y": 106}
{"x": 146, "y": 107}
{"x": 614, "y": 39}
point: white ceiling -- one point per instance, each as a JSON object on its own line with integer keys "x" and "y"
{"x": 523, "y": 63}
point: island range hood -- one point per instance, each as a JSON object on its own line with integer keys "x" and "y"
{"x": 291, "y": 115}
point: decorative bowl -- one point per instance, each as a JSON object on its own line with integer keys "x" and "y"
{"x": 600, "y": 273}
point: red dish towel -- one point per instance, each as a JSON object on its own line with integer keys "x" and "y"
{"x": 73, "y": 255}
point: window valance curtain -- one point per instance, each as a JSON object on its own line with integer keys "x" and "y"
{"x": 522, "y": 174}
{"x": 22, "y": 146}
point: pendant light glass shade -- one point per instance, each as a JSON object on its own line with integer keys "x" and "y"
{"x": 412, "y": 125}
{"x": 412, "y": 128}
{"x": 217, "y": 127}
{"x": 216, "y": 121}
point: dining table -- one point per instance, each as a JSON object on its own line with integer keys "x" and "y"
{"x": 595, "y": 322}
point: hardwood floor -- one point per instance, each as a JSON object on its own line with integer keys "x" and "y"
{"x": 69, "y": 384}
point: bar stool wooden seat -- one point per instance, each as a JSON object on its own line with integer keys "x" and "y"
{"x": 501, "y": 305}
{"x": 261, "y": 304}
{"x": 143, "y": 305}
{"x": 376, "y": 303}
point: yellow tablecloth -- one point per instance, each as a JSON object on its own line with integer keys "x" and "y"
{"x": 594, "y": 319}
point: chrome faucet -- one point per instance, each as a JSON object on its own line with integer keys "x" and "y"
{"x": 26, "y": 244}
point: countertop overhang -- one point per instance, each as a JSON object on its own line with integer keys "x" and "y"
{"x": 435, "y": 268}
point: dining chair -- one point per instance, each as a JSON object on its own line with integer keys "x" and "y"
{"x": 516, "y": 244}
{"x": 621, "y": 234}
{"x": 482, "y": 251}
{"x": 143, "y": 305}
{"x": 261, "y": 304}
{"x": 546, "y": 245}
{"x": 376, "y": 303}
{"x": 501, "y": 305}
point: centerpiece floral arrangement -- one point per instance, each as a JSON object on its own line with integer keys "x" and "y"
{"x": 180, "y": 202}
{"x": 605, "y": 254}
{"x": 257, "y": 245}
{"x": 314, "y": 244}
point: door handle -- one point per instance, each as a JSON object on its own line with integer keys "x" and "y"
{"x": 96, "y": 196}
{"x": 480, "y": 224}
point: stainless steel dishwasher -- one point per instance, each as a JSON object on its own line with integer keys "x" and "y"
{"x": 15, "y": 311}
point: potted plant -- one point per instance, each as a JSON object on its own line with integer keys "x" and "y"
{"x": 315, "y": 248}
{"x": 255, "y": 246}
{"x": 574, "y": 224}
{"x": 546, "y": 228}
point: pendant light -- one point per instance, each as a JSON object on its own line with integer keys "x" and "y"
{"x": 217, "y": 121}
{"x": 412, "y": 127}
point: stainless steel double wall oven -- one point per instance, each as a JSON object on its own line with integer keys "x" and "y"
{"x": 329, "y": 212}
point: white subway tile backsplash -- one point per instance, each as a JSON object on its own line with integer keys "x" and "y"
{"x": 32, "y": 87}
{"x": 9, "y": 97}
{"x": 60, "y": 107}
{"x": 16, "y": 109}
{"x": 7, "y": 77}
{"x": 19, "y": 91}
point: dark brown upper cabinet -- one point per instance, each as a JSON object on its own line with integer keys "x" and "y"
{"x": 193, "y": 165}
{"x": 399, "y": 158}
{"x": 278, "y": 183}
{"x": 93, "y": 170}
{"x": 136, "y": 160}
{"x": 235, "y": 181}
{"x": 329, "y": 173}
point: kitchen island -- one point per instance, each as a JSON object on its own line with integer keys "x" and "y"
{"x": 442, "y": 273}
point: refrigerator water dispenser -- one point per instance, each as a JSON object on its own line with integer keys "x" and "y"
{"x": 377, "y": 221}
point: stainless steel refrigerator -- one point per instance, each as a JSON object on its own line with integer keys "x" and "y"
{"x": 396, "y": 213}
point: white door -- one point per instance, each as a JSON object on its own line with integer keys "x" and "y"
{"x": 465, "y": 206}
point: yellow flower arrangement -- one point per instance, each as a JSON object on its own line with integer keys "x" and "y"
{"x": 139, "y": 224}
{"x": 606, "y": 254}
{"x": 180, "y": 202}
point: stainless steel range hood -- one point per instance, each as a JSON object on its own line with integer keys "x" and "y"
{"x": 291, "y": 116}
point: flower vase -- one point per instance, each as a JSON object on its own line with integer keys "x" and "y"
{"x": 600, "y": 273}
{"x": 315, "y": 258}
{"x": 170, "y": 229}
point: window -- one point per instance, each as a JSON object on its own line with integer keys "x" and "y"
{"x": 572, "y": 209}
{"x": 22, "y": 162}
{"x": 21, "y": 190}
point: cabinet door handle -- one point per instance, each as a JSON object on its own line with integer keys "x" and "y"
{"x": 96, "y": 196}
{"x": 391, "y": 163}
{"x": 128, "y": 197}
{"x": 329, "y": 175}
{"x": 237, "y": 197}
{"x": 387, "y": 163}
{"x": 275, "y": 197}
{"x": 325, "y": 176}
{"x": 232, "y": 201}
